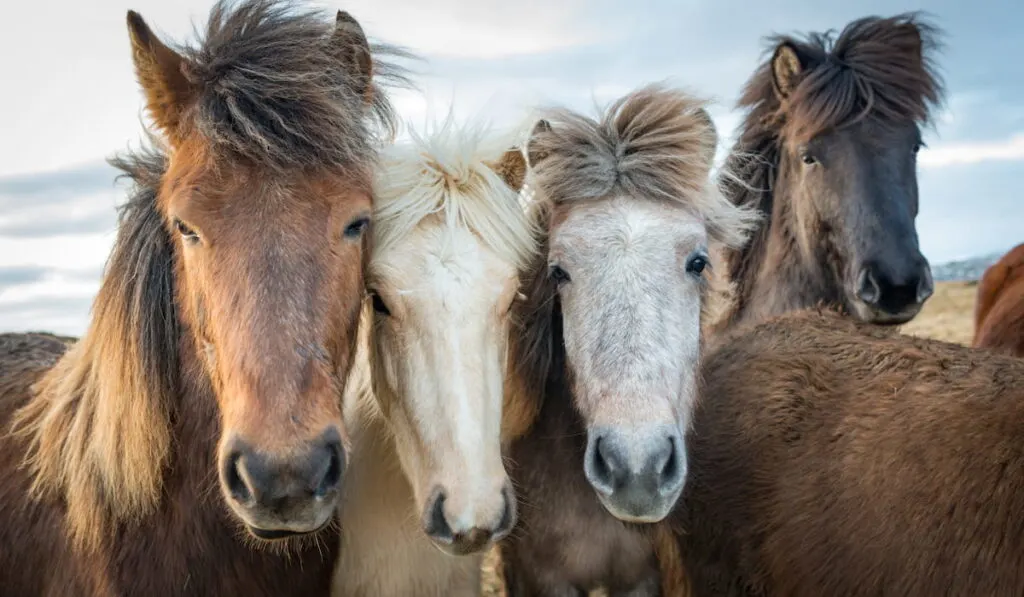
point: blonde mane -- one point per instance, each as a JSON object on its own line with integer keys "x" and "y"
{"x": 452, "y": 172}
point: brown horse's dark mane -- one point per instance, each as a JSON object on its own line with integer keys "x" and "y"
{"x": 99, "y": 424}
{"x": 877, "y": 68}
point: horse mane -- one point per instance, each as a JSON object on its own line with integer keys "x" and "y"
{"x": 655, "y": 143}
{"x": 451, "y": 172}
{"x": 274, "y": 90}
{"x": 99, "y": 425}
{"x": 877, "y": 68}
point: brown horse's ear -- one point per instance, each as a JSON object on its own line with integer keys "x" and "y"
{"x": 787, "y": 68}
{"x": 511, "y": 167}
{"x": 161, "y": 74}
{"x": 354, "y": 52}
{"x": 534, "y": 154}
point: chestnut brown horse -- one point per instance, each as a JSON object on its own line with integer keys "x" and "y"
{"x": 191, "y": 443}
{"x": 999, "y": 310}
{"x": 827, "y": 152}
{"x": 609, "y": 340}
{"x": 832, "y": 457}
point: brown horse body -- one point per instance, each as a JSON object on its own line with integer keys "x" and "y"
{"x": 835, "y": 458}
{"x": 999, "y": 310}
{"x": 832, "y": 457}
{"x": 191, "y": 443}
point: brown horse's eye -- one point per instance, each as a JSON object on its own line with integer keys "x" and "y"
{"x": 187, "y": 234}
{"x": 378, "y": 304}
{"x": 807, "y": 158}
{"x": 356, "y": 228}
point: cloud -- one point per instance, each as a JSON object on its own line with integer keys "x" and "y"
{"x": 965, "y": 153}
{"x": 20, "y": 274}
{"x": 485, "y": 29}
{"x": 57, "y": 186}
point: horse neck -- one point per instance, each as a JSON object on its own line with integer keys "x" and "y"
{"x": 780, "y": 277}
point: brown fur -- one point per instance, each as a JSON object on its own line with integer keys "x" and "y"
{"x": 837, "y": 458}
{"x": 112, "y": 463}
{"x": 999, "y": 310}
{"x": 655, "y": 144}
{"x": 876, "y": 77}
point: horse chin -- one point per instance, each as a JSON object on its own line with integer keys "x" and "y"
{"x": 281, "y": 535}
{"x": 868, "y": 314}
{"x": 633, "y": 512}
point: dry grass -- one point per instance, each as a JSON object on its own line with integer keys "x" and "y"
{"x": 948, "y": 315}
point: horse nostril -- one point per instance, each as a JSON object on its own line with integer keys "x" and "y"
{"x": 331, "y": 479}
{"x": 234, "y": 481}
{"x": 435, "y": 523}
{"x": 672, "y": 471}
{"x": 603, "y": 466}
{"x": 508, "y": 514}
{"x": 925, "y": 286}
{"x": 867, "y": 288}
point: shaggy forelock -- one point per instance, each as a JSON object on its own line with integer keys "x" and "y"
{"x": 878, "y": 68}
{"x": 448, "y": 171}
{"x": 655, "y": 143}
{"x": 273, "y": 89}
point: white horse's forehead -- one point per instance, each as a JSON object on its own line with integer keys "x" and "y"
{"x": 628, "y": 223}
{"x": 450, "y": 264}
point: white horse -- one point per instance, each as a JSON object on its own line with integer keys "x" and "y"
{"x": 449, "y": 239}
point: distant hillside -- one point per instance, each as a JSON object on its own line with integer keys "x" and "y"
{"x": 965, "y": 270}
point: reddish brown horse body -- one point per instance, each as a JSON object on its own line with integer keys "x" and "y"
{"x": 191, "y": 443}
{"x": 999, "y": 310}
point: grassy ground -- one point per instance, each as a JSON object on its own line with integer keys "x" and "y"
{"x": 948, "y": 315}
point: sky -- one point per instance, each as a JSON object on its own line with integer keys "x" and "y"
{"x": 70, "y": 100}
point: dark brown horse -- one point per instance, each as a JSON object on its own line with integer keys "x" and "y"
{"x": 191, "y": 443}
{"x": 832, "y": 457}
{"x": 603, "y": 371}
{"x": 999, "y": 311}
{"x": 827, "y": 152}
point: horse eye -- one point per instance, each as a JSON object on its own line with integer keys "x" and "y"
{"x": 186, "y": 233}
{"x": 918, "y": 146}
{"x": 807, "y": 158}
{"x": 696, "y": 264}
{"x": 559, "y": 275}
{"x": 378, "y": 304}
{"x": 356, "y": 228}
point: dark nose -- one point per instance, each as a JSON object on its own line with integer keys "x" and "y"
{"x": 461, "y": 541}
{"x": 636, "y": 473}
{"x": 895, "y": 291}
{"x": 257, "y": 480}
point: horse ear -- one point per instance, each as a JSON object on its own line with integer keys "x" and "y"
{"x": 511, "y": 167}
{"x": 160, "y": 71}
{"x": 354, "y": 52}
{"x": 535, "y": 155}
{"x": 787, "y": 69}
